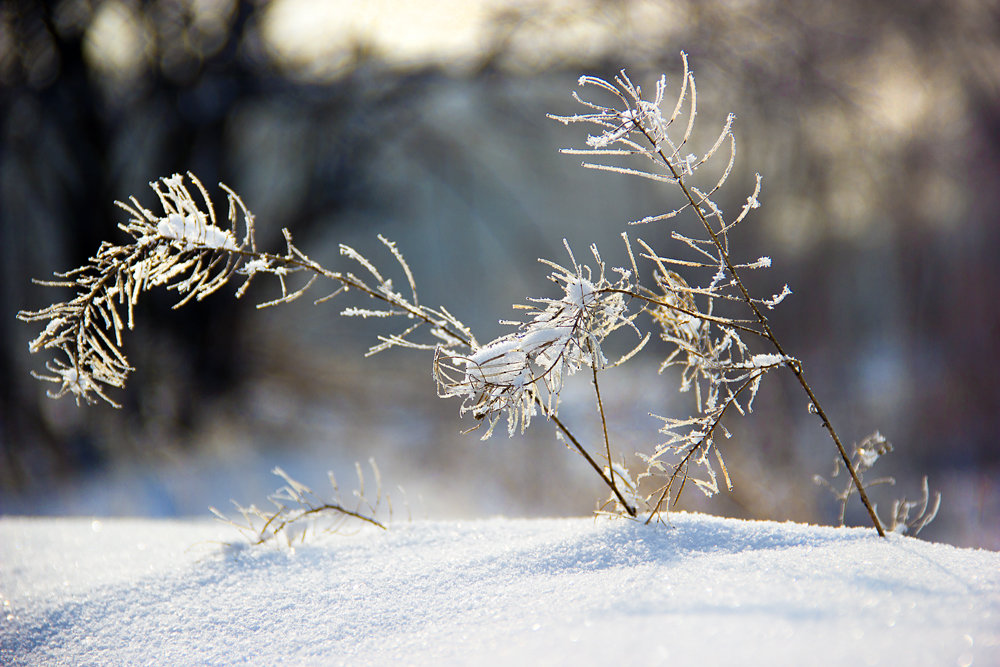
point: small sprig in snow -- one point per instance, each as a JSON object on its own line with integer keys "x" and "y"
{"x": 906, "y": 517}
{"x": 298, "y": 511}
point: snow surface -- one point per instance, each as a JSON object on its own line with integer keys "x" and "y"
{"x": 703, "y": 590}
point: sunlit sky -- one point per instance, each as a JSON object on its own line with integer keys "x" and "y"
{"x": 455, "y": 34}
{"x": 319, "y": 39}
{"x": 896, "y": 95}
{"x": 321, "y": 35}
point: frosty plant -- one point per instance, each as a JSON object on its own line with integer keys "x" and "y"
{"x": 295, "y": 510}
{"x": 519, "y": 376}
{"x": 866, "y": 454}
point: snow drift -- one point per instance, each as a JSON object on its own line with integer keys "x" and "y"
{"x": 701, "y": 590}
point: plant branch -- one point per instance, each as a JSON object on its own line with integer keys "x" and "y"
{"x": 701, "y": 316}
{"x": 319, "y": 509}
{"x": 698, "y": 445}
{"x": 767, "y": 332}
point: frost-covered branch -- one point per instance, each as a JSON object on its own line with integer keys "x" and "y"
{"x": 557, "y": 338}
{"x": 710, "y": 352}
{"x": 183, "y": 248}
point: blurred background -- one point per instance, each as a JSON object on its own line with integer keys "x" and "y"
{"x": 876, "y": 127}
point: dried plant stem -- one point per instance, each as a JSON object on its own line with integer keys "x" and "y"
{"x": 680, "y": 309}
{"x": 604, "y": 423}
{"x": 419, "y": 313}
{"x": 607, "y": 439}
{"x": 312, "y": 511}
{"x": 349, "y": 281}
{"x": 794, "y": 366}
{"x": 517, "y": 375}
{"x": 295, "y": 505}
{"x": 593, "y": 464}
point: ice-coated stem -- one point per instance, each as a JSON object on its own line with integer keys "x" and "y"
{"x": 793, "y": 365}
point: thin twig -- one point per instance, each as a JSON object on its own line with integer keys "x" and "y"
{"x": 695, "y": 314}
{"x": 604, "y": 421}
{"x": 319, "y": 509}
{"x": 593, "y": 464}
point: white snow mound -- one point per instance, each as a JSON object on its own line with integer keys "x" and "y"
{"x": 702, "y": 590}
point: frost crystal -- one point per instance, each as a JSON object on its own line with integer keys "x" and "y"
{"x": 256, "y": 265}
{"x": 777, "y": 298}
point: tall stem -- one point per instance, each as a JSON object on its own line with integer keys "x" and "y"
{"x": 769, "y": 334}
{"x": 600, "y": 408}
{"x": 593, "y": 464}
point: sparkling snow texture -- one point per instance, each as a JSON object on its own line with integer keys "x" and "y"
{"x": 704, "y": 590}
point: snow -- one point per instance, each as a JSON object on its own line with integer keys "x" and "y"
{"x": 256, "y": 265}
{"x": 701, "y": 590}
{"x": 195, "y": 232}
{"x": 767, "y": 360}
{"x": 580, "y": 292}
